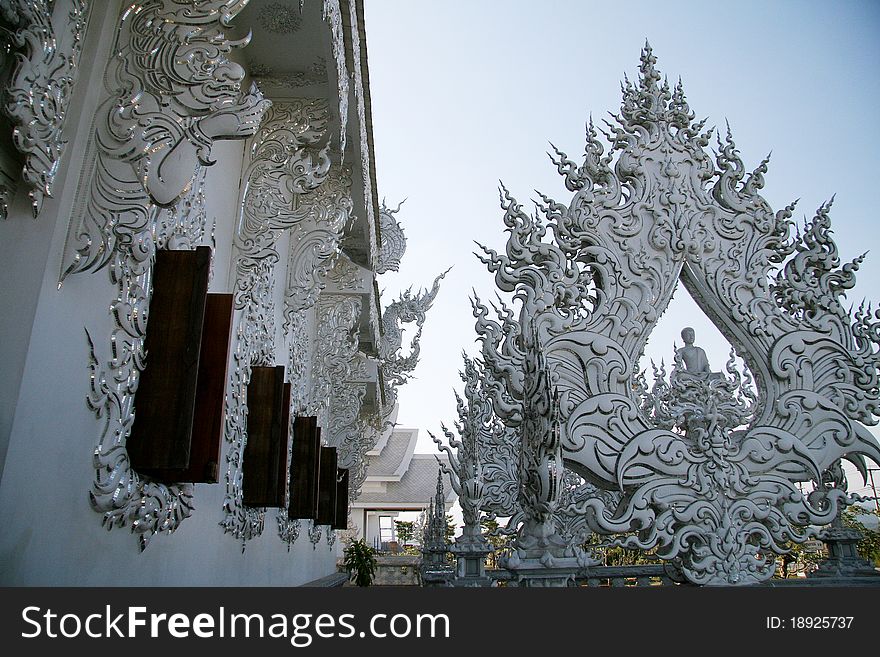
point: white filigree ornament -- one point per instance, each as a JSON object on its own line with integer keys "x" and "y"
{"x": 48, "y": 40}
{"x": 592, "y": 278}
{"x": 314, "y": 534}
{"x": 279, "y": 18}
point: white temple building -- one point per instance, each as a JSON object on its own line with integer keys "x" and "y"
{"x": 398, "y": 480}
{"x": 198, "y": 359}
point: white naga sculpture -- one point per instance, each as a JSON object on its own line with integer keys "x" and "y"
{"x": 406, "y": 309}
{"x": 705, "y": 473}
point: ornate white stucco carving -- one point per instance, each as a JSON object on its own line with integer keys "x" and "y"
{"x": 407, "y": 309}
{"x": 592, "y": 278}
{"x": 314, "y": 534}
{"x": 119, "y": 493}
{"x": 266, "y": 77}
{"x": 286, "y": 162}
{"x": 487, "y": 446}
{"x": 287, "y": 159}
{"x": 314, "y": 241}
{"x": 336, "y": 347}
{"x": 171, "y": 90}
{"x": 347, "y": 430}
{"x": 336, "y": 396}
{"x": 300, "y": 335}
{"x": 392, "y": 244}
{"x": 464, "y": 467}
{"x": 288, "y": 530}
{"x": 49, "y": 38}
{"x": 279, "y": 18}
{"x": 500, "y": 458}
{"x": 333, "y": 16}
{"x": 254, "y": 345}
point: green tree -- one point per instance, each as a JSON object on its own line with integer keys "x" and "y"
{"x": 451, "y": 528}
{"x": 405, "y": 531}
{"x": 869, "y": 546}
{"x": 619, "y": 556}
{"x": 360, "y": 561}
{"x": 799, "y": 558}
{"x": 499, "y": 542}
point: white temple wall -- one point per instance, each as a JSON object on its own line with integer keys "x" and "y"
{"x": 28, "y": 264}
{"x": 51, "y": 535}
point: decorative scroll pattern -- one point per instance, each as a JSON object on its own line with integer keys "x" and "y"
{"x": 345, "y": 275}
{"x": 298, "y": 359}
{"x": 730, "y": 529}
{"x": 314, "y": 534}
{"x": 39, "y": 91}
{"x": 264, "y": 76}
{"x": 570, "y": 524}
{"x": 346, "y": 430}
{"x": 592, "y": 278}
{"x": 392, "y": 246}
{"x": 314, "y": 240}
{"x": 336, "y": 347}
{"x": 339, "y": 391}
{"x": 121, "y": 495}
{"x": 500, "y": 462}
{"x": 254, "y": 345}
{"x": 159, "y": 103}
{"x": 288, "y": 529}
{"x": 540, "y": 467}
{"x": 287, "y": 162}
{"x": 172, "y": 91}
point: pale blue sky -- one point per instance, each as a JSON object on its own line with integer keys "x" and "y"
{"x": 467, "y": 93}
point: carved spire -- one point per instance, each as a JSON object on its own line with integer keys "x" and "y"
{"x": 812, "y": 282}
{"x": 590, "y": 280}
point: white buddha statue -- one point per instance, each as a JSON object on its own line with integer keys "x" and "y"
{"x": 694, "y": 358}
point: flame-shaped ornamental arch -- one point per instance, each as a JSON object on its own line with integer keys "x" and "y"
{"x": 592, "y": 279}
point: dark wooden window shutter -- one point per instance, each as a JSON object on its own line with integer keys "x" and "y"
{"x": 177, "y": 431}
{"x": 264, "y": 471}
{"x": 304, "y": 465}
{"x": 341, "y": 499}
{"x": 208, "y": 419}
{"x": 327, "y": 487}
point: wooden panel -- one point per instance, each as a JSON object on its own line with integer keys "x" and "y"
{"x": 208, "y": 419}
{"x": 282, "y": 473}
{"x": 166, "y": 395}
{"x": 264, "y": 471}
{"x": 327, "y": 487}
{"x": 207, "y": 429}
{"x": 303, "y": 497}
{"x": 341, "y": 499}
